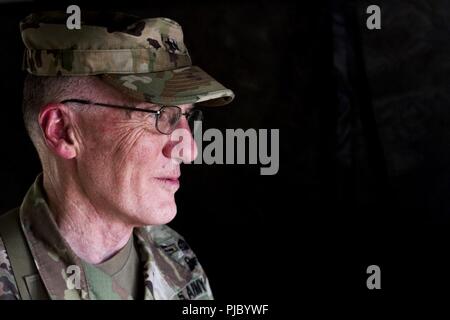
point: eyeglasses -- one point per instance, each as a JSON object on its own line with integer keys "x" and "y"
{"x": 167, "y": 117}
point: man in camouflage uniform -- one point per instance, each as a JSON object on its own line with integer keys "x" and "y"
{"x": 102, "y": 105}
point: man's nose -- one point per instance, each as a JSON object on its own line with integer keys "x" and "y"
{"x": 181, "y": 145}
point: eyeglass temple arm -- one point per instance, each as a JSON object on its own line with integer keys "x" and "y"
{"x": 110, "y": 105}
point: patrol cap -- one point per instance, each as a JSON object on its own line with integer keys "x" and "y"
{"x": 144, "y": 58}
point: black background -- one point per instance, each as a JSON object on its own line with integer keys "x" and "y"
{"x": 364, "y": 119}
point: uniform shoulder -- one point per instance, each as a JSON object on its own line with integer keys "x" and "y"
{"x": 174, "y": 246}
{"x": 8, "y": 286}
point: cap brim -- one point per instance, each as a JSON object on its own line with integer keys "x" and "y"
{"x": 188, "y": 85}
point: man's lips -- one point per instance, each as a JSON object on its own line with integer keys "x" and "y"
{"x": 169, "y": 181}
{"x": 168, "y": 178}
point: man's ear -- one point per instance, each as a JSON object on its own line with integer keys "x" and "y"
{"x": 55, "y": 125}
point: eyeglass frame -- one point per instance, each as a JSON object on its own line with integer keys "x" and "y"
{"x": 157, "y": 112}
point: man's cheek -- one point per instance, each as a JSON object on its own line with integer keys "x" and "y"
{"x": 125, "y": 151}
{"x": 148, "y": 155}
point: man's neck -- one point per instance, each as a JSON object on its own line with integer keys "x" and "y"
{"x": 93, "y": 235}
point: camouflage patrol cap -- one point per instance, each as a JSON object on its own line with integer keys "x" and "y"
{"x": 144, "y": 58}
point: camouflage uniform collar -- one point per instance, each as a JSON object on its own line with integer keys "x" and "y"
{"x": 51, "y": 252}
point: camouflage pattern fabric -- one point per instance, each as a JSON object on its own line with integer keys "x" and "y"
{"x": 171, "y": 269}
{"x": 145, "y": 58}
{"x": 8, "y": 287}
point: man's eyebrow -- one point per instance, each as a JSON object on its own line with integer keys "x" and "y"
{"x": 147, "y": 106}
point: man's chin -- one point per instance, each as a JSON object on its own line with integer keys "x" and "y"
{"x": 162, "y": 216}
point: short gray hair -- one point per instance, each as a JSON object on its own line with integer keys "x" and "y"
{"x": 39, "y": 91}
